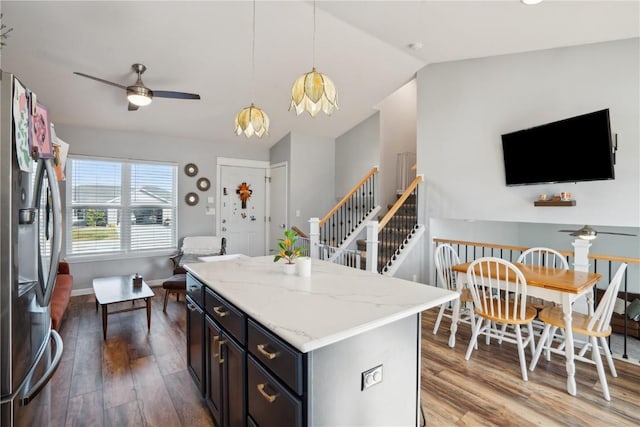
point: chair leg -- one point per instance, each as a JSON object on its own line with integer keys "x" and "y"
{"x": 440, "y": 313}
{"x": 542, "y": 343}
{"x": 607, "y": 353}
{"x": 166, "y": 297}
{"x": 532, "y": 343}
{"x": 595, "y": 355}
{"x": 523, "y": 361}
{"x": 552, "y": 334}
{"x": 474, "y": 337}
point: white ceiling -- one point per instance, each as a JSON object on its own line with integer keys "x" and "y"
{"x": 205, "y": 47}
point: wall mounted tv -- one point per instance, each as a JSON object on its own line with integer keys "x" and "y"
{"x": 575, "y": 149}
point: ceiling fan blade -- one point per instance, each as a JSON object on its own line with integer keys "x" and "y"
{"x": 133, "y": 107}
{"x": 100, "y": 80}
{"x": 567, "y": 231}
{"x": 617, "y": 234}
{"x": 175, "y": 95}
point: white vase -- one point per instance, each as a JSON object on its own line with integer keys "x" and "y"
{"x": 303, "y": 267}
{"x": 289, "y": 269}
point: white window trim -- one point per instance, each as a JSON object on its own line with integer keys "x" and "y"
{"x": 121, "y": 254}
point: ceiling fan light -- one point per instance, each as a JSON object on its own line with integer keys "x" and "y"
{"x": 252, "y": 120}
{"x": 140, "y": 96}
{"x": 587, "y": 233}
{"x": 314, "y": 92}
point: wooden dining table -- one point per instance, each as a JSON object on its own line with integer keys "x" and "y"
{"x": 560, "y": 286}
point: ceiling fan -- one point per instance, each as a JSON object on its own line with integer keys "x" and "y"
{"x": 138, "y": 94}
{"x": 588, "y": 233}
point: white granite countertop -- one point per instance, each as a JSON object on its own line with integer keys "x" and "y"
{"x": 335, "y": 303}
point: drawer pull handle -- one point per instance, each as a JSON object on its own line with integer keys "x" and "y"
{"x": 267, "y": 354}
{"x": 191, "y": 307}
{"x": 216, "y": 338}
{"x": 220, "y": 344}
{"x": 268, "y": 397}
{"x": 221, "y": 313}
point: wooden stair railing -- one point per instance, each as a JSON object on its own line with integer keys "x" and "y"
{"x": 344, "y": 217}
{"x": 398, "y": 223}
{"x": 299, "y": 232}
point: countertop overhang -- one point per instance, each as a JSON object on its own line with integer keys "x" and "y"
{"x": 335, "y": 303}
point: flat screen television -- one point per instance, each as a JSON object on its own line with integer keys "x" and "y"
{"x": 575, "y": 149}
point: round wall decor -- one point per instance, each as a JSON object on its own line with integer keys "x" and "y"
{"x": 203, "y": 184}
{"x": 191, "y": 169}
{"x": 191, "y": 199}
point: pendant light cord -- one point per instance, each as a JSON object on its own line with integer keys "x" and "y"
{"x": 253, "y": 56}
{"x": 314, "y": 34}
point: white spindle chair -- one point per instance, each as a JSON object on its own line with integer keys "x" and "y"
{"x": 597, "y": 327}
{"x": 499, "y": 293}
{"x": 445, "y": 258}
{"x": 543, "y": 257}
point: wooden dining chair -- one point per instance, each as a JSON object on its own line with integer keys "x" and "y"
{"x": 499, "y": 292}
{"x": 597, "y": 327}
{"x": 445, "y": 258}
{"x": 544, "y": 257}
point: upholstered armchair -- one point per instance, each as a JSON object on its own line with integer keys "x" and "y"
{"x": 192, "y": 248}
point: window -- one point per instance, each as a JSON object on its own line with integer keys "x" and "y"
{"x": 120, "y": 207}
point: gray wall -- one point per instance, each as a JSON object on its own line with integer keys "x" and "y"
{"x": 464, "y": 107}
{"x": 191, "y": 220}
{"x": 312, "y": 178}
{"x": 397, "y": 135}
{"x": 311, "y": 175}
{"x": 357, "y": 151}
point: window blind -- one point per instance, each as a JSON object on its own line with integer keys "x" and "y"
{"x": 120, "y": 206}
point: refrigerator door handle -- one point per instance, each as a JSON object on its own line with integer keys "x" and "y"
{"x": 31, "y": 393}
{"x": 56, "y": 244}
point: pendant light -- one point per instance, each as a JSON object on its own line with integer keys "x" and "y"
{"x": 252, "y": 120}
{"x": 314, "y": 91}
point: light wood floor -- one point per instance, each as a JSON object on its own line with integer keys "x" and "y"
{"x": 135, "y": 379}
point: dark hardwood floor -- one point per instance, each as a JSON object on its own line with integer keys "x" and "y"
{"x": 135, "y": 378}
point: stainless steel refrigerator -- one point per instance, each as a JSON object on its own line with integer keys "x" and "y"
{"x": 30, "y": 242}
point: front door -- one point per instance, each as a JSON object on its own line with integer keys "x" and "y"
{"x": 277, "y": 206}
{"x": 242, "y": 209}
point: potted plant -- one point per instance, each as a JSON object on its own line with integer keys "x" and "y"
{"x": 288, "y": 251}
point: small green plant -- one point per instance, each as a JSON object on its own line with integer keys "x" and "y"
{"x": 288, "y": 249}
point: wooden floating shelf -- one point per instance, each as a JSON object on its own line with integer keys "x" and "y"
{"x": 554, "y": 203}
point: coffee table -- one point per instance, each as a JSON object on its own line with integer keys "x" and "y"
{"x": 117, "y": 289}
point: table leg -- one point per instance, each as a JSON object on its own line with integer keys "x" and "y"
{"x": 148, "y": 301}
{"x": 455, "y": 316}
{"x": 568, "y": 350}
{"x": 104, "y": 321}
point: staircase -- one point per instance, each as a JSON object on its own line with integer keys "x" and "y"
{"x": 400, "y": 226}
{"x": 397, "y": 232}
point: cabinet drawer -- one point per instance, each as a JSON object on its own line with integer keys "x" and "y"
{"x": 270, "y": 403}
{"x": 195, "y": 290}
{"x": 232, "y": 319}
{"x": 276, "y": 355}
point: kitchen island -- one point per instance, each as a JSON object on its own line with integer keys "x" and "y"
{"x": 341, "y": 347}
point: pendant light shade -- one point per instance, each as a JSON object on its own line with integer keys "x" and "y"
{"x": 252, "y": 120}
{"x": 314, "y": 92}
